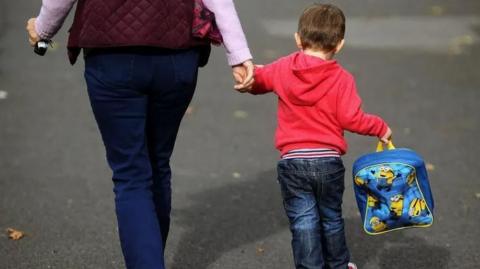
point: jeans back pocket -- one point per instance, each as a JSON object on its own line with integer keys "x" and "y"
{"x": 114, "y": 70}
{"x": 186, "y": 67}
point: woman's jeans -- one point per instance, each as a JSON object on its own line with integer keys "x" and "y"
{"x": 312, "y": 191}
{"x": 139, "y": 97}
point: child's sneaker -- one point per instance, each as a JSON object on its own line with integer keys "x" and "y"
{"x": 351, "y": 265}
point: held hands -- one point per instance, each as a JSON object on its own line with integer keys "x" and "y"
{"x": 387, "y": 137}
{"x": 243, "y": 76}
{"x": 33, "y": 37}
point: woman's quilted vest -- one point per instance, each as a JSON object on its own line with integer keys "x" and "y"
{"x": 121, "y": 23}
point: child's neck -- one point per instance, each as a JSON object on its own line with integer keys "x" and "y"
{"x": 319, "y": 54}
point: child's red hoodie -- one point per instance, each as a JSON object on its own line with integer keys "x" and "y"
{"x": 317, "y": 101}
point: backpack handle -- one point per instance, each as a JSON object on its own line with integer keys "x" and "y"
{"x": 390, "y": 146}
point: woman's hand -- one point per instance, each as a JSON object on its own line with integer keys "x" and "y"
{"x": 33, "y": 37}
{"x": 243, "y": 75}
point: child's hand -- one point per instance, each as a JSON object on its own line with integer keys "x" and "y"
{"x": 387, "y": 137}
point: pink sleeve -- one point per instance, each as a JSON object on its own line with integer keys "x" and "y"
{"x": 229, "y": 25}
{"x": 51, "y": 17}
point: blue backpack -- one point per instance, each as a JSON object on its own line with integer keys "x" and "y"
{"x": 392, "y": 190}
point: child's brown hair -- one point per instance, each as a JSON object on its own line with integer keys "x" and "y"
{"x": 322, "y": 27}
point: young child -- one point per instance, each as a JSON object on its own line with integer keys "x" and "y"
{"x": 317, "y": 101}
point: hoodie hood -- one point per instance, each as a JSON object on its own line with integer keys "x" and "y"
{"x": 313, "y": 77}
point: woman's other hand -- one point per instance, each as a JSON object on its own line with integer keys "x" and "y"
{"x": 33, "y": 37}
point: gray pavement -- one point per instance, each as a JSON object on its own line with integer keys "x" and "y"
{"x": 55, "y": 184}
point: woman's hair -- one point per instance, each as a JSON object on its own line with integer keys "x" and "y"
{"x": 321, "y": 27}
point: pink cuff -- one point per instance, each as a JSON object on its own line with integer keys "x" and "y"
{"x": 44, "y": 30}
{"x": 239, "y": 56}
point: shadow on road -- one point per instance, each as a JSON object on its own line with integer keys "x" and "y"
{"x": 395, "y": 250}
{"x": 228, "y": 217}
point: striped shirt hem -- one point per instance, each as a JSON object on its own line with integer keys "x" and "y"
{"x": 310, "y": 154}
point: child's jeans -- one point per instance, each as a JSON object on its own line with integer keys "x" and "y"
{"x": 312, "y": 191}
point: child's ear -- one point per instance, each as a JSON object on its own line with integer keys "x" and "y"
{"x": 298, "y": 41}
{"x": 339, "y": 46}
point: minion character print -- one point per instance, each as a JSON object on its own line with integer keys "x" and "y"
{"x": 385, "y": 177}
{"x": 396, "y": 205}
{"x": 393, "y": 198}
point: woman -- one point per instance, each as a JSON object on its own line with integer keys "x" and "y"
{"x": 141, "y": 65}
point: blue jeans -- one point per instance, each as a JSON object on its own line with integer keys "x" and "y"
{"x": 312, "y": 191}
{"x": 139, "y": 97}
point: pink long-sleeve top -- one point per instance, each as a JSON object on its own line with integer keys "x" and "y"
{"x": 53, "y": 14}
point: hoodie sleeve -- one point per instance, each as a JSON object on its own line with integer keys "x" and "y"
{"x": 263, "y": 79}
{"x": 351, "y": 116}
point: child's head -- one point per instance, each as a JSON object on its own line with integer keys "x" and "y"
{"x": 321, "y": 28}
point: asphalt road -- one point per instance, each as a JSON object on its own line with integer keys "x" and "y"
{"x": 416, "y": 64}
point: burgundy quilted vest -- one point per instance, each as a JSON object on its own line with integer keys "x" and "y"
{"x": 120, "y": 23}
